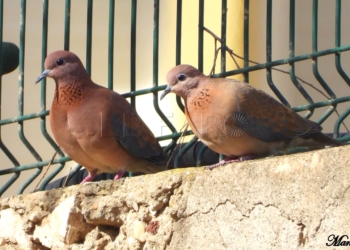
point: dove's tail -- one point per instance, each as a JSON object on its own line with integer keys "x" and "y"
{"x": 146, "y": 167}
{"x": 323, "y": 140}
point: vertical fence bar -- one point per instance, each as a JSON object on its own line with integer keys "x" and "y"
{"x": 43, "y": 84}
{"x": 111, "y": 43}
{"x": 338, "y": 63}
{"x": 269, "y": 53}
{"x": 315, "y": 49}
{"x": 291, "y": 54}
{"x": 21, "y": 85}
{"x": 200, "y": 67}
{"x": 200, "y": 35}
{"x": 178, "y": 45}
{"x": 172, "y": 144}
{"x": 246, "y": 39}
{"x": 223, "y": 34}
{"x": 21, "y": 57}
{"x": 155, "y": 42}
{"x": 89, "y": 35}
{"x": 1, "y": 43}
{"x": 7, "y": 152}
{"x": 338, "y": 42}
{"x": 67, "y": 24}
{"x": 43, "y": 91}
{"x": 155, "y": 71}
{"x": 223, "y": 41}
{"x": 2, "y": 146}
{"x": 178, "y": 32}
{"x": 44, "y": 52}
{"x": 315, "y": 61}
{"x": 133, "y": 52}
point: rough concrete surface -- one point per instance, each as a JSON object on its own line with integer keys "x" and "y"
{"x": 286, "y": 202}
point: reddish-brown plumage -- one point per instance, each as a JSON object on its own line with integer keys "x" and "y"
{"x": 95, "y": 126}
{"x": 235, "y": 119}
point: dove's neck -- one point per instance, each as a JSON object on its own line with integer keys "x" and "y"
{"x": 71, "y": 92}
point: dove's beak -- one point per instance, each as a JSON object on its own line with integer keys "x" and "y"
{"x": 166, "y": 91}
{"x": 42, "y": 76}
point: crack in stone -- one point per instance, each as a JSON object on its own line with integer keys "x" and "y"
{"x": 346, "y": 190}
{"x": 302, "y": 237}
{"x": 170, "y": 238}
{"x": 317, "y": 228}
{"x": 221, "y": 236}
{"x": 209, "y": 210}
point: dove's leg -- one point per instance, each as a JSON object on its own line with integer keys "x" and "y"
{"x": 119, "y": 174}
{"x": 90, "y": 177}
{"x": 230, "y": 159}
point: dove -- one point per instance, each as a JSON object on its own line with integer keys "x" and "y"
{"x": 95, "y": 126}
{"x": 239, "y": 121}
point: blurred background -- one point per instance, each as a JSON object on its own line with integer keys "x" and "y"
{"x": 23, "y": 23}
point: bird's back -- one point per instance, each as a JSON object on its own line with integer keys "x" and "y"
{"x": 234, "y": 118}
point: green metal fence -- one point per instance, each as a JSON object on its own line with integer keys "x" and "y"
{"x": 331, "y": 102}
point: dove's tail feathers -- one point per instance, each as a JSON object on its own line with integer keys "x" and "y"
{"x": 146, "y": 167}
{"x": 324, "y": 139}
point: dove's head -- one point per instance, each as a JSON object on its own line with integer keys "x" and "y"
{"x": 63, "y": 66}
{"x": 182, "y": 79}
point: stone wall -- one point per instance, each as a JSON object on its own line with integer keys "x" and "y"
{"x": 287, "y": 202}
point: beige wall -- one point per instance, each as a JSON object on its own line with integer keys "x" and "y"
{"x": 144, "y": 105}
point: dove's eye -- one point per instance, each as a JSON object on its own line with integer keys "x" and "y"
{"x": 181, "y": 77}
{"x": 60, "y": 61}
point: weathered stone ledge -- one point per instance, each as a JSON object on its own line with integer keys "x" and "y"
{"x": 286, "y": 202}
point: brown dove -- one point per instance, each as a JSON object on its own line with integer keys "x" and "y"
{"x": 237, "y": 120}
{"x": 96, "y": 126}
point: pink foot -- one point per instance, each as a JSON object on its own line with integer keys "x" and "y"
{"x": 230, "y": 159}
{"x": 119, "y": 174}
{"x": 90, "y": 177}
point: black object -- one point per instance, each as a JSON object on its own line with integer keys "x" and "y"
{"x": 10, "y": 57}
{"x": 76, "y": 179}
{"x": 188, "y": 159}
